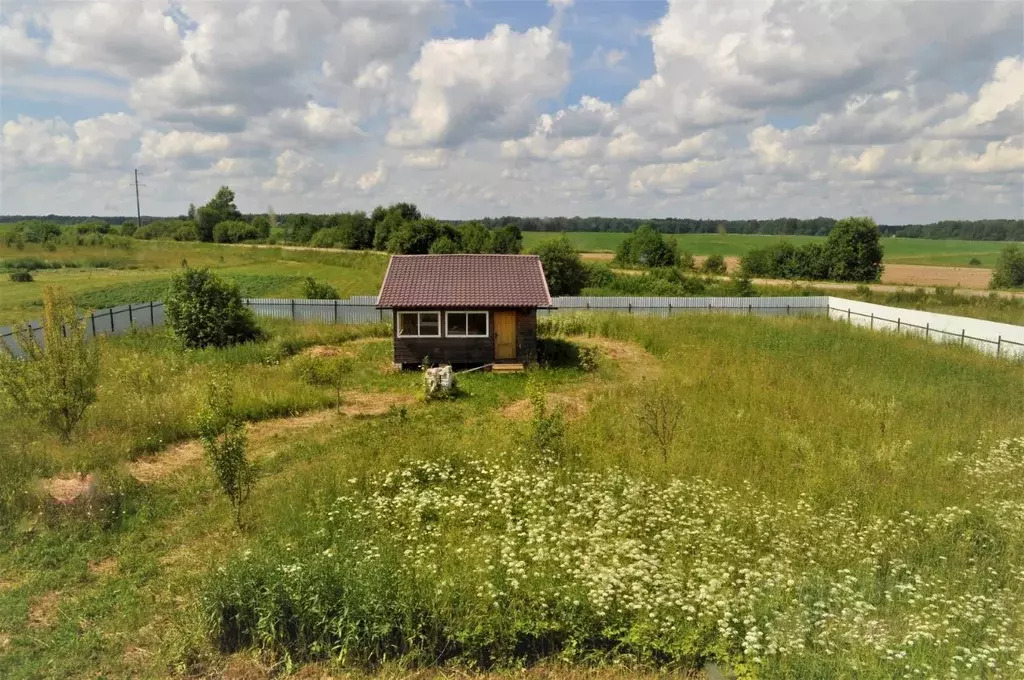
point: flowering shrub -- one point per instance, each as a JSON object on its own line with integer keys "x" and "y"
{"x": 496, "y": 565}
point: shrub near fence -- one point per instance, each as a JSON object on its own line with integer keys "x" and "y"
{"x": 1004, "y": 340}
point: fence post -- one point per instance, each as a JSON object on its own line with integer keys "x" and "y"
{"x": 293, "y": 309}
{"x": 872, "y": 321}
{"x": 849, "y": 315}
{"x": 92, "y": 322}
{"x": 111, "y": 313}
{"x": 787, "y": 310}
{"x": 750, "y": 308}
{"x": 335, "y": 310}
{"x": 629, "y": 307}
{"x": 898, "y": 324}
{"x": 152, "y": 320}
{"x": 999, "y": 345}
{"x": 131, "y": 319}
{"x": 927, "y": 329}
{"x": 963, "y": 336}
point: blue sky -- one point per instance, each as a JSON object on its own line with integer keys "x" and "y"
{"x": 754, "y": 108}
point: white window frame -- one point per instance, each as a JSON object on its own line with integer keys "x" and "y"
{"x": 419, "y": 315}
{"x": 467, "y": 312}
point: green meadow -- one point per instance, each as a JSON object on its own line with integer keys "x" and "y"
{"x": 830, "y": 502}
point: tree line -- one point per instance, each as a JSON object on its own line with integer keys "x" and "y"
{"x": 972, "y": 230}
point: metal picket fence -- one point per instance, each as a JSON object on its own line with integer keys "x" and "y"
{"x": 362, "y": 309}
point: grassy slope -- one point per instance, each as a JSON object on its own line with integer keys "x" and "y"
{"x": 144, "y": 272}
{"x": 897, "y": 251}
{"x": 789, "y": 406}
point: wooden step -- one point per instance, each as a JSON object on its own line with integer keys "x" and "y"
{"x": 507, "y": 368}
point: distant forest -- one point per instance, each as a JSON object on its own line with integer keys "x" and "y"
{"x": 972, "y": 230}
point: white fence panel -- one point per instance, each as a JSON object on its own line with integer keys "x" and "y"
{"x": 1002, "y": 339}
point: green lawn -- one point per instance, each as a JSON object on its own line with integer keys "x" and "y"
{"x": 897, "y": 251}
{"x": 833, "y": 503}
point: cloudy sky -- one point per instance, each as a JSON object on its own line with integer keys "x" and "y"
{"x": 908, "y": 111}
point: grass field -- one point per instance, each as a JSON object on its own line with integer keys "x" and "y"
{"x": 835, "y": 502}
{"x": 897, "y": 251}
{"x": 102, "y": 277}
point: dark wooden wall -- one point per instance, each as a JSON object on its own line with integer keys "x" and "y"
{"x": 466, "y": 351}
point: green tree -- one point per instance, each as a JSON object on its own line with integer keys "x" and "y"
{"x": 207, "y": 311}
{"x": 563, "y": 267}
{"x": 854, "y": 250}
{"x": 646, "y": 247}
{"x": 218, "y": 209}
{"x": 444, "y": 246}
{"x": 713, "y": 264}
{"x": 224, "y": 440}
{"x": 507, "y": 239}
{"x": 1009, "y": 271}
{"x": 56, "y": 381}
{"x": 416, "y": 238}
{"x": 261, "y": 225}
{"x": 475, "y": 238}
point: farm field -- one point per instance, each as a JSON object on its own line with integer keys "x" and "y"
{"x": 835, "y": 502}
{"x": 100, "y": 277}
{"x": 946, "y": 253}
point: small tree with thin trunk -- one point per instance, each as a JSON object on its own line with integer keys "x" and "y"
{"x": 657, "y": 414}
{"x": 224, "y": 440}
{"x": 56, "y": 380}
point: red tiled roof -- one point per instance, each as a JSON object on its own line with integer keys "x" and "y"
{"x": 419, "y": 281}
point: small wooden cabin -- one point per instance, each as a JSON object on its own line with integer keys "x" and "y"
{"x": 465, "y": 309}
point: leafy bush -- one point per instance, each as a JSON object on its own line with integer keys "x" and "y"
{"x": 326, "y": 238}
{"x": 686, "y": 261}
{"x": 325, "y": 371}
{"x": 205, "y": 310}
{"x": 22, "y": 276}
{"x": 646, "y": 247}
{"x": 545, "y": 437}
{"x": 507, "y": 239}
{"x": 30, "y": 263}
{"x": 563, "y": 267}
{"x": 598, "y": 275}
{"x": 1009, "y": 271}
{"x": 974, "y": 262}
{"x": 445, "y": 245}
{"x": 318, "y": 290}
{"x": 224, "y": 442}
{"x": 56, "y": 382}
{"x": 714, "y": 264}
{"x": 853, "y": 252}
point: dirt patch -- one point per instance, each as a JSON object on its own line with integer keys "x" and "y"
{"x": 262, "y": 433}
{"x": 931, "y": 275}
{"x": 156, "y": 467}
{"x": 597, "y": 257}
{"x": 346, "y": 349}
{"x": 43, "y": 611}
{"x": 66, "y": 490}
{"x": 572, "y": 405}
{"x": 103, "y": 567}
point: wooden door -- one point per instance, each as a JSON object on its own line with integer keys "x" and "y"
{"x": 504, "y": 335}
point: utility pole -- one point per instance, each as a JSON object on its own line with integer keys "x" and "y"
{"x": 138, "y": 209}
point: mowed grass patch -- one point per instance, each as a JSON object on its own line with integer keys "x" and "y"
{"x": 949, "y": 252}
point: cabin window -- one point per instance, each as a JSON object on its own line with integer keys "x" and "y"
{"x": 466, "y": 324}
{"x": 419, "y": 324}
